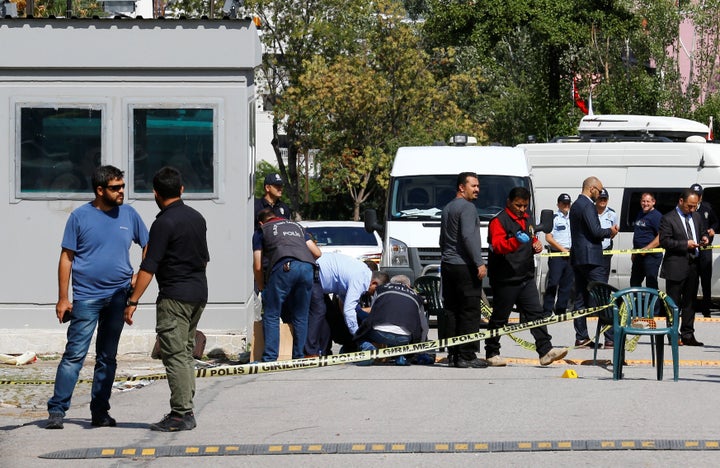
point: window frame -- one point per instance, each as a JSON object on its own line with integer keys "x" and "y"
{"x": 17, "y": 105}
{"x": 216, "y": 105}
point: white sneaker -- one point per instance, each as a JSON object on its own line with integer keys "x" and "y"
{"x": 496, "y": 361}
{"x": 553, "y": 355}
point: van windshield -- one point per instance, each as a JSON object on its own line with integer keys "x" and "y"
{"x": 423, "y": 197}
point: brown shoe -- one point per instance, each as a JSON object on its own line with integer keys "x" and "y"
{"x": 496, "y": 361}
{"x": 553, "y": 355}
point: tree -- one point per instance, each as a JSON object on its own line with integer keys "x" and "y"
{"x": 194, "y": 8}
{"x": 703, "y": 52}
{"x": 357, "y": 109}
{"x": 58, "y": 8}
{"x": 531, "y": 52}
{"x": 292, "y": 32}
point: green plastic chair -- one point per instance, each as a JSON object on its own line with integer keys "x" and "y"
{"x": 428, "y": 286}
{"x": 601, "y": 294}
{"x": 639, "y": 303}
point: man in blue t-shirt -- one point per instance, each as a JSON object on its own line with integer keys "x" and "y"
{"x": 647, "y": 227}
{"x": 95, "y": 252}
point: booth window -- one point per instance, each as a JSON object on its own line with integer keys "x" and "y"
{"x": 58, "y": 149}
{"x": 180, "y": 137}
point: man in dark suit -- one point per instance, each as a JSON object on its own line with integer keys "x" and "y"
{"x": 586, "y": 255}
{"x": 681, "y": 235}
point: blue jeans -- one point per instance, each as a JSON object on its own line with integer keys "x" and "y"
{"x": 108, "y": 315}
{"x": 386, "y": 338}
{"x": 293, "y": 286}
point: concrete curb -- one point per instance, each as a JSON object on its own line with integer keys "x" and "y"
{"x": 43, "y": 341}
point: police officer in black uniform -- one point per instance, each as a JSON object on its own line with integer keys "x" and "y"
{"x": 273, "y": 192}
{"x": 711, "y": 224}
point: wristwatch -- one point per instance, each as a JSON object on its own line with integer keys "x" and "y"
{"x": 131, "y": 303}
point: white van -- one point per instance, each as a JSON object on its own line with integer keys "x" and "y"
{"x": 422, "y": 181}
{"x": 630, "y": 155}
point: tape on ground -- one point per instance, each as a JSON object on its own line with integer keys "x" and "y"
{"x": 337, "y": 359}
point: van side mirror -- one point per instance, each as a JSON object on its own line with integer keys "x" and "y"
{"x": 546, "y": 221}
{"x": 371, "y": 222}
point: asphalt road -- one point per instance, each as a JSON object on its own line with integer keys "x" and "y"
{"x": 520, "y": 415}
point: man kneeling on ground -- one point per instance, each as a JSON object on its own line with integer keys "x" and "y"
{"x": 397, "y": 318}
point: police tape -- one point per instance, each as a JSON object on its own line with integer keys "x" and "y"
{"x": 625, "y": 251}
{"x": 348, "y": 358}
{"x": 486, "y": 312}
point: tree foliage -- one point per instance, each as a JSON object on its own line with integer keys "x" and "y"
{"x": 194, "y": 8}
{"x": 292, "y": 32}
{"x": 357, "y": 109}
{"x": 58, "y": 8}
{"x": 531, "y": 52}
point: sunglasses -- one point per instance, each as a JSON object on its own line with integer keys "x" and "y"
{"x": 115, "y": 188}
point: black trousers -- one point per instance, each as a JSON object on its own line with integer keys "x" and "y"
{"x": 584, "y": 275}
{"x": 684, "y": 292}
{"x": 462, "y": 296}
{"x": 318, "y": 333}
{"x": 705, "y": 259}
{"x": 525, "y": 296}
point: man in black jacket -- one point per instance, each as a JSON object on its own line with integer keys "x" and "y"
{"x": 397, "y": 318}
{"x": 682, "y": 235}
{"x": 512, "y": 276}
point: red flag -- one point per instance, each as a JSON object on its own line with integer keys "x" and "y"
{"x": 710, "y": 136}
{"x": 580, "y": 102}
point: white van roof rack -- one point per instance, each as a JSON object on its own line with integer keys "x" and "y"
{"x": 673, "y": 128}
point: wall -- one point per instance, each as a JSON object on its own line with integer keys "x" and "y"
{"x": 119, "y": 66}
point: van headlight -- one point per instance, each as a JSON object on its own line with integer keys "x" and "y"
{"x": 398, "y": 253}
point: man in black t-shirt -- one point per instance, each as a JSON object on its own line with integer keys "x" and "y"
{"x": 177, "y": 256}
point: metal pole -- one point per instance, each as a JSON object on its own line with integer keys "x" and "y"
{"x": 68, "y": 9}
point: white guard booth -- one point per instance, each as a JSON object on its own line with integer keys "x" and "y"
{"x": 137, "y": 94}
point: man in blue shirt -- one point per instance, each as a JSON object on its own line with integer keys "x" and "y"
{"x": 95, "y": 252}
{"x": 608, "y": 218}
{"x": 647, "y": 226}
{"x": 560, "y": 275}
{"x": 347, "y": 279}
